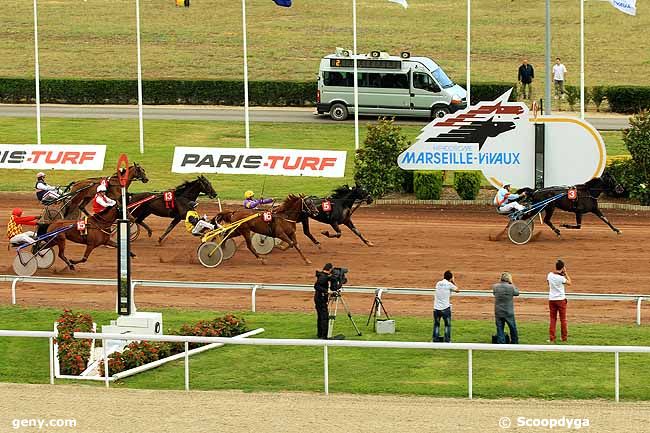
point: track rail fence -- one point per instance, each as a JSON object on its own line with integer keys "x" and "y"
{"x": 326, "y": 344}
{"x": 256, "y": 287}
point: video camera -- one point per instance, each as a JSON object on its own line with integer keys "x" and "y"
{"x": 338, "y": 278}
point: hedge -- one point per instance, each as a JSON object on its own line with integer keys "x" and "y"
{"x": 628, "y": 99}
{"x": 467, "y": 184}
{"x": 427, "y": 185}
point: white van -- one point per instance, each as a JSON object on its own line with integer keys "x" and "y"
{"x": 388, "y": 86}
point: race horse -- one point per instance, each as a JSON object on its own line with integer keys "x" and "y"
{"x": 86, "y": 194}
{"x": 182, "y": 195}
{"x": 282, "y": 224}
{"x": 97, "y": 232}
{"x": 586, "y": 200}
{"x": 344, "y": 201}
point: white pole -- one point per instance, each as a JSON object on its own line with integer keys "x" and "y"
{"x": 137, "y": 27}
{"x": 616, "y": 376}
{"x": 469, "y": 38}
{"x": 187, "y": 367}
{"x": 15, "y": 281}
{"x": 37, "y": 78}
{"x": 356, "y": 84}
{"x": 246, "y": 120}
{"x": 582, "y": 59}
{"x": 638, "y": 311}
{"x": 469, "y": 373}
{"x": 105, "y": 356}
{"x": 326, "y": 372}
{"x": 51, "y": 345}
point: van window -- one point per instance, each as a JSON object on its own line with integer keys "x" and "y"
{"x": 344, "y": 79}
{"x": 383, "y": 81}
{"x": 422, "y": 81}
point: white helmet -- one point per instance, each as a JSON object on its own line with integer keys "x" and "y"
{"x": 40, "y": 174}
{"x": 506, "y": 183}
{"x": 101, "y": 188}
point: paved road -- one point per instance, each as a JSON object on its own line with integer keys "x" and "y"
{"x": 291, "y": 115}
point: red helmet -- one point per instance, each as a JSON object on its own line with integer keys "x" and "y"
{"x": 17, "y": 211}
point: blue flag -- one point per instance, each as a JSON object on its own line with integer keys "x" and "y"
{"x": 284, "y": 3}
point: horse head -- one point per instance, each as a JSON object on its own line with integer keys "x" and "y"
{"x": 361, "y": 194}
{"x": 612, "y": 186}
{"x": 308, "y": 206}
{"x": 136, "y": 172}
{"x": 206, "y": 187}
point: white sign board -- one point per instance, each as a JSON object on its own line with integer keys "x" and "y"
{"x": 52, "y": 156}
{"x": 279, "y": 162}
{"x": 498, "y": 138}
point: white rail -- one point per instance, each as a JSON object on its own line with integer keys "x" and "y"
{"x": 470, "y": 347}
{"x": 256, "y": 287}
{"x": 50, "y": 335}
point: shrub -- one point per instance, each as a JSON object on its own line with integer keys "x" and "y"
{"x": 628, "y": 99}
{"x": 597, "y": 94}
{"x": 572, "y": 96}
{"x": 375, "y": 165}
{"x": 626, "y": 173}
{"x": 427, "y": 185}
{"x": 73, "y": 353}
{"x": 467, "y": 184}
{"x": 637, "y": 141}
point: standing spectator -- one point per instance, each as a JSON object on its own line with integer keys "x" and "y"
{"x": 504, "y": 308}
{"x": 559, "y": 75}
{"x": 557, "y": 299}
{"x": 442, "y": 306}
{"x": 525, "y": 77}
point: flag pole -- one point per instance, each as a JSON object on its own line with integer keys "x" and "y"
{"x": 469, "y": 37}
{"x": 356, "y": 84}
{"x": 246, "y": 119}
{"x": 37, "y": 76}
{"x": 137, "y": 31}
{"x": 582, "y": 59}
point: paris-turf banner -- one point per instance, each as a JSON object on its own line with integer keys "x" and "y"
{"x": 498, "y": 138}
{"x": 52, "y": 156}
{"x": 279, "y": 162}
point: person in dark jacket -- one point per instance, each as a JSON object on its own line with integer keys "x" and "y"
{"x": 321, "y": 297}
{"x": 525, "y": 77}
{"x": 504, "y": 309}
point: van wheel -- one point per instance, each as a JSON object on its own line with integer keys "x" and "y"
{"x": 339, "y": 111}
{"x": 439, "y": 112}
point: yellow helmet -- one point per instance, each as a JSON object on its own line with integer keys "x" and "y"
{"x": 249, "y": 194}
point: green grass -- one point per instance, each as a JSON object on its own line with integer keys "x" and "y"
{"x": 162, "y": 135}
{"x": 96, "y": 39}
{"x": 376, "y": 371}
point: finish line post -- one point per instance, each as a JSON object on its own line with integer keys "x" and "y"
{"x": 124, "y": 291}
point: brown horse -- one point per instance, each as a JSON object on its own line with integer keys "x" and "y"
{"x": 85, "y": 195}
{"x": 281, "y": 226}
{"x": 98, "y": 232}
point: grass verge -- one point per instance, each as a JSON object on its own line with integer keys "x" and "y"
{"x": 373, "y": 371}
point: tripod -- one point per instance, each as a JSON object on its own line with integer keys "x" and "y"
{"x": 374, "y": 311}
{"x": 335, "y": 298}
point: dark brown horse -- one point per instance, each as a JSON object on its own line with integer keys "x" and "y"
{"x": 281, "y": 226}
{"x": 85, "y": 195}
{"x": 98, "y": 232}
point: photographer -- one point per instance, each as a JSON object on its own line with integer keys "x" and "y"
{"x": 557, "y": 300}
{"x": 322, "y": 286}
{"x": 442, "y": 306}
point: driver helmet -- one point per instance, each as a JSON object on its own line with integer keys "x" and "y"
{"x": 506, "y": 183}
{"x": 249, "y": 194}
{"x": 40, "y": 174}
{"x": 101, "y": 187}
{"x": 193, "y": 204}
{"x": 17, "y": 212}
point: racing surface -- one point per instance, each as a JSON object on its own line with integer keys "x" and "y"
{"x": 413, "y": 247}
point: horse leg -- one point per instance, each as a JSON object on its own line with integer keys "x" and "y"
{"x": 349, "y": 224}
{"x": 249, "y": 244}
{"x": 290, "y": 239}
{"x": 600, "y": 215}
{"x": 578, "y": 223}
{"x": 335, "y": 226}
{"x": 114, "y": 244}
{"x": 145, "y": 226}
{"x": 60, "y": 242}
{"x": 548, "y": 214}
{"x": 305, "y": 230}
{"x": 171, "y": 226}
{"x": 89, "y": 249}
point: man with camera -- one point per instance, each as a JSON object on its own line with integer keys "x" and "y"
{"x": 324, "y": 281}
{"x": 442, "y": 306}
{"x": 504, "y": 308}
{"x": 557, "y": 301}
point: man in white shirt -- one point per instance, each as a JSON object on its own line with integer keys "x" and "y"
{"x": 559, "y": 74}
{"x": 442, "y": 306}
{"x": 557, "y": 299}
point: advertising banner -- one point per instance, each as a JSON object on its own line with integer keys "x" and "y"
{"x": 52, "y": 156}
{"x": 277, "y": 162}
{"x": 498, "y": 138}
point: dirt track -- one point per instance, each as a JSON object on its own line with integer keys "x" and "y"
{"x": 413, "y": 248}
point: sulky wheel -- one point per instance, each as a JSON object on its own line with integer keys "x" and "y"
{"x": 45, "y": 258}
{"x": 520, "y": 231}
{"x": 25, "y": 264}
{"x": 210, "y": 254}
{"x": 134, "y": 232}
{"x": 228, "y": 247}
{"x": 262, "y": 244}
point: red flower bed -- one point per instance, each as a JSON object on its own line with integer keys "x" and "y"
{"x": 73, "y": 353}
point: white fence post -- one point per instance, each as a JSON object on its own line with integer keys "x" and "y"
{"x": 187, "y": 367}
{"x": 326, "y": 371}
{"x": 469, "y": 372}
{"x": 13, "y": 290}
{"x": 638, "y": 311}
{"x": 105, "y": 356}
{"x": 253, "y": 297}
{"x": 616, "y": 377}
{"x": 51, "y": 345}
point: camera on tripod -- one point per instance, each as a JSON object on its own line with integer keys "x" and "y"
{"x": 338, "y": 279}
